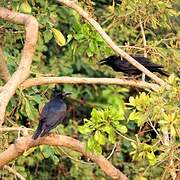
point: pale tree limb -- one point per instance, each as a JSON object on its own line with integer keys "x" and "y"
{"x": 76, "y": 80}
{"x": 13, "y": 171}
{"x": 4, "y": 72}
{"x": 71, "y": 4}
{"x": 31, "y": 27}
{"x": 24, "y": 143}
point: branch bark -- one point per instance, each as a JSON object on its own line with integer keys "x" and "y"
{"x": 4, "y": 72}
{"x": 31, "y": 27}
{"x": 24, "y": 143}
{"x": 108, "y": 40}
{"x": 75, "y": 80}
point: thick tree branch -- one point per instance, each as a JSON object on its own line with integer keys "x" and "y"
{"x": 4, "y": 72}
{"x": 24, "y": 143}
{"x": 73, "y": 5}
{"x": 75, "y": 80}
{"x": 31, "y": 27}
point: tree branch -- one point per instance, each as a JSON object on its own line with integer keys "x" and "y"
{"x": 108, "y": 40}
{"x": 75, "y": 80}
{"x": 31, "y": 27}
{"x": 4, "y": 72}
{"x": 24, "y": 143}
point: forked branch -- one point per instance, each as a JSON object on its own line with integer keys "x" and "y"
{"x": 31, "y": 27}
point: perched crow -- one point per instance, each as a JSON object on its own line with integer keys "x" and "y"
{"x": 53, "y": 113}
{"x": 121, "y": 65}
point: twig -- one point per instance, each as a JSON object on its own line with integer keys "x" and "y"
{"x": 144, "y": 44}
{"x": 9, "y": 129}
{"x": 108, "y": 40}
{"x": 11, "y": 170}
{"x": 77, "y": 80}
{"x": 24, "y": 143}
{"x": 112, "y": 152}
{"x": 76, "y": 160}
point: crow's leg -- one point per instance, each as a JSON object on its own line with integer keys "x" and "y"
{"x": 143, "y": 78}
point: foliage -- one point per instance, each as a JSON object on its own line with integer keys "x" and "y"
{"x": 137, "y": 123}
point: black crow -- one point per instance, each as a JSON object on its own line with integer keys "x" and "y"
{"x": 53, "y": 113}
{"x": 122, "y": 65}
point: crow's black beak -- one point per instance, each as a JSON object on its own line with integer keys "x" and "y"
{"x": 64, "y": 94}
{"x": 102, "y": 62}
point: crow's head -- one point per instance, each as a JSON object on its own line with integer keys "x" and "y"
{"x": 108, "y": 61}
{"x": 60, "y": 94}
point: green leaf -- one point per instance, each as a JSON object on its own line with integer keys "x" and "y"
{"x": 84, "y": 130}
{"x": 132, "y": 101}
{"x": 55, "y": 159}
{"x": 111, "y": 133}
{"x": 47, "y": 36}
{"x": 99, "y": 137}
{"x": 91, "y": 143}
{"x": 26, "y": 153}
{"x": 172, "y": 130}
{"x": 47, "y": 151}
{"x": 69, "y": 38}
{"x": 25, "y": 7}
{"x": 152, "y": 158}
{"x": 121, "y": 128}
{"x": 30, "y": 110}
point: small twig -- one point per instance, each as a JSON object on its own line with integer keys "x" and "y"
{"x": 144, "y": 38}
{"x": 112, "y": 152}
{"x": 9, "y": 129}
{"x": 13, "y": 171}
{"x": 160, "y": 138}
{"x": 76, "y": 160}
{"x": 144, "y": 44}
{"x": 124, "y": 136}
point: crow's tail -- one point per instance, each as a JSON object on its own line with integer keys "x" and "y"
{"x": 160, "y": 71}
{"x": 45, "y": 131}
{"x": 38, "y": 131}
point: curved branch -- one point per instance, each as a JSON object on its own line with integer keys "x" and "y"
{"x": 75, "y": 80}
{"x": 24, "y": 143}
{"x": 98, "y": 28}
{"x": 31, "y": 27}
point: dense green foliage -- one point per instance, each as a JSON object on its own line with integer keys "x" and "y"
{"x": 101, "y": 116}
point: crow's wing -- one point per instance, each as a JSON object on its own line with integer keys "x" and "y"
{"x": 45, "y": 111}
{"x": 146, "y": 62}
{"x": 54, "y": 118}
{"x": 56, "y": 115}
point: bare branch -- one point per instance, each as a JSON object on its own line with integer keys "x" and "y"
{"x": 24, "y": 143}
{"x": 73, "y": 5}
{"x": 75, "y": 80}
{"x": 4, "y": 72}
{"x": 11, "y": 170}
{"x": 31, "y": 27}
